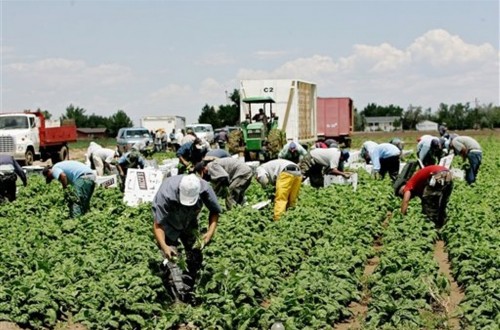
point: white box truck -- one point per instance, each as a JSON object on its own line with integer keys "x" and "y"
{"x": 294, "y": 105}
{"x": 167, "y": 123}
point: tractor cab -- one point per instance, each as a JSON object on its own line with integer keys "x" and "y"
{"x": 260, "y": 120}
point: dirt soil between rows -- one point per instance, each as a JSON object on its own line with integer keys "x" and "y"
{"x": 447, "y": 304}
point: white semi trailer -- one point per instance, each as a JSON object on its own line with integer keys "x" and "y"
{"x": 294, "y": 105}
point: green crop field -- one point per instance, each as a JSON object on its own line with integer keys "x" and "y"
{"x": 337, "y": 249}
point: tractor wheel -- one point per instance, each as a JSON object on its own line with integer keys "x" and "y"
{"x": 275, "y": 142}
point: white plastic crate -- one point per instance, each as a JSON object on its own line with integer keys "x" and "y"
{"x": 141, "y": 185}
{"x": 107, "y": 181}
{"x": 338, "y": 179}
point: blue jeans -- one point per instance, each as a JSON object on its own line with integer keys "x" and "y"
{"x": 475, "y": 159}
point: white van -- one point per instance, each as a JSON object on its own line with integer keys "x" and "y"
{"x": 203, "y": 131}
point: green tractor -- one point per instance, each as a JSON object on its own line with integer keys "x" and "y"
{"x": 259, "y": 138}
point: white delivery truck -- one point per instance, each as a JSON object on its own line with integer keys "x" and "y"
{"x": 292, "y": 101}
{"x": 166, "y": 123}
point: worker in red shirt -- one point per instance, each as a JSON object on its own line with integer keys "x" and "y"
{"x": 433, "y": 184}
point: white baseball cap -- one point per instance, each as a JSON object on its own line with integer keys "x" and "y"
{"x": 189, "y": 189}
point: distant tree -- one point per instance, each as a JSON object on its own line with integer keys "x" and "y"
{"x": 374, "y": 110}
{"x": 412, "y": 116}
{"x": 209, "y": 116}
{"x": 117, "y": 121}
{"x": 77, "y": 114}
{"x": 46, "y": 113}
{"x": 94, "y": 121}
{"x": 359, "y": 121}
{"x": 229, "y": 115}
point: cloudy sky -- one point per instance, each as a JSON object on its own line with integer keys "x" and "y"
{"x": 173, "y": 57}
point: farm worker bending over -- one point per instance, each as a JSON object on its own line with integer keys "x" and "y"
{"x": 176, "y": 206}
{"x": 78, "y": 175}
{"x": 327, "y": 161}
{"x": 229, "y": 176}
{"x": 385, "y": 158}
{"x": 433, "y": 184}
{"x": 292, "y": 151}
{"x": 470, "y": 149}
{"x": 130, "y": 159}
{"x": 285, "y": 176}
{"x": 429, "y": 150}
{"x": 9, "y": 170}
{"x": 366, "y": 148}
{"x": 101, "y": 160}
{"x": 190, "y": 154}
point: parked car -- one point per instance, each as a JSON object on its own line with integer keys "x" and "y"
{"x": 128, "y": 136}
{"x": 203, "y": 131}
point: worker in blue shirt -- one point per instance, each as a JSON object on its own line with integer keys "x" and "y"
{"x": 385, "y": 159}
{"x": 77, "y": 175}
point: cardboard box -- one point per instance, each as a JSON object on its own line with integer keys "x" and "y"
{"x": 141, "y": 185}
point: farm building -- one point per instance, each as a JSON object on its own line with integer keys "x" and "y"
{"x": 386, "y": 124}
{"x": 91, "y": 133}
{"x": 427, "y": 125}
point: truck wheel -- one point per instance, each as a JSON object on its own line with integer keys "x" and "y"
{"x": 29, "y": 157}
{"x": 64, "y": 153}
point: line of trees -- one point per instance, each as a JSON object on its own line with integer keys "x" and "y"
{"x": 456, "y": 116}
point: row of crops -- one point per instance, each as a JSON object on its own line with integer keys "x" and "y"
{"x": 305, "y": 270}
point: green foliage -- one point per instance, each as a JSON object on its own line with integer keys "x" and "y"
{"x": 305, "y": 269}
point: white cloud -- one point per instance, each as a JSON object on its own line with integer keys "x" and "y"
{"x": 61, "y": 74}
{"x": 440, "y": 48}
{"x": 436, "y": 67}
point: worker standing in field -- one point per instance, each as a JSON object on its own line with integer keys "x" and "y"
{"x": 286, "y": 178}
{"x": 229, "y": 177}
{"x": 321, "y": 161}
{"x": 78, "y": 176}
{"x": 433, "y": 184}
{"x": 293, "y": 152}
{"x": 470, "y": 149}
{"x": 429, "y": 150}
{"x": 9, "y": 171}
{"x": 176, "y": 207}
{"x": 385, "y": 159}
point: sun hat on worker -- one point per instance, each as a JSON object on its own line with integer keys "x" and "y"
{"x": 292, "y": 146}
{"x": 189, "y": 189}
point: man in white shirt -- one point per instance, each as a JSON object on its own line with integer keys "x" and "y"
{"x": 321, "y": 161}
